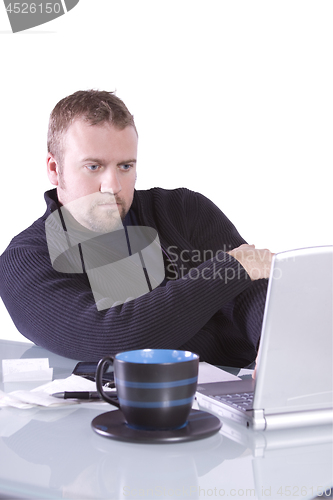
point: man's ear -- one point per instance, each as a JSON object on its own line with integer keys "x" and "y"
{"x": 52, "y": 169}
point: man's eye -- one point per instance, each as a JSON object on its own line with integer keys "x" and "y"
{"x": 126, "y": 166}
{"x": 92, "y": 168}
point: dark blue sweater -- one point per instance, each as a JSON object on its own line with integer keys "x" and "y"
{"x": 214, "y": 310}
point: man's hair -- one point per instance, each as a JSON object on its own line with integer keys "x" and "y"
{"x": 93, "y": 106}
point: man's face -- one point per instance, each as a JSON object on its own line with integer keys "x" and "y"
{"x": 97, "y": 178}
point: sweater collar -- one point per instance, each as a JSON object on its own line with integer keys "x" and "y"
{"x": 52, "y": 202}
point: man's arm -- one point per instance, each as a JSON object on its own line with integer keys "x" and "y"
{"x": 57, "y": 311}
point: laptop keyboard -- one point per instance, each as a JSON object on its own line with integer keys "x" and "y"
{"x": 243, "y": 401}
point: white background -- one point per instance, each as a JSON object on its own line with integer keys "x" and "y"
{"x": 231, "y": 98}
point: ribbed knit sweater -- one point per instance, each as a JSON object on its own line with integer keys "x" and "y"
{"x": 214, "y": 310}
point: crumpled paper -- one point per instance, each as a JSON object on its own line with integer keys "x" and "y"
{"x": 41, "y": 396}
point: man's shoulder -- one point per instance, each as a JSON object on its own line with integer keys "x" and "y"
{"x": 162, "y": 195}
{"x": 34, "y": 236}
{"x": 174, "y": 202}
{"x": 175, "y": 209}
{"x": 31, "y": 237}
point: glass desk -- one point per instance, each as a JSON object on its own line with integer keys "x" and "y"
{"x": 54, "y": 453}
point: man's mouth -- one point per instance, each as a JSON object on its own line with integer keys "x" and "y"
{"x": 110, "y": 204}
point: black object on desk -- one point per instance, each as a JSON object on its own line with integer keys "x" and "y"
{"x": 76, "y": 395}
{"x": 200, "y": 425}
{"x": 87, "y": 369}
{"x": 85, "y": 395}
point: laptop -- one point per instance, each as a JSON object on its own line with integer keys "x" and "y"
{"x": 294, "y": 378}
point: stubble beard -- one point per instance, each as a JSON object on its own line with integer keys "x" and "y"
{"x": 110, "y": 220}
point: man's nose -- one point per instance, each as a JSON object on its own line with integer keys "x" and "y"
{"x": 110, "y": 182}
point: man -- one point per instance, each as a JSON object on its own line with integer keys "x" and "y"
{"x": 211, "y": 296}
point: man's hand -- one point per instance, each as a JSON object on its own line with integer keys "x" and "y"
{"x": 255, "y": 369}
{"x": 257, "y": 263}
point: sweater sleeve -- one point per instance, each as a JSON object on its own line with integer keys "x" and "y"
{"x": 246, "y": 311}
{"x": 57, "y": 310}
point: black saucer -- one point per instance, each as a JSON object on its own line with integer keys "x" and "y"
{"x": 112, "y": 425}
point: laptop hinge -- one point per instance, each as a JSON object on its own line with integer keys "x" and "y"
{"x": 258, "y": 420}
{"x": 299, "y": 419}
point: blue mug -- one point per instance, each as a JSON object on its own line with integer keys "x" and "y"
{"x": 155, "y": 387}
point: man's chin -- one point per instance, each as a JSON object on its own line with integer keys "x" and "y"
{"x": 105, "y": 221}
{"x": 104, "y": 227}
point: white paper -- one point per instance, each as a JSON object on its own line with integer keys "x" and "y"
{"x": 70, "y": 384}
{"x": 28, "y": 399}
{"x": 210, "y": 373}
{"x": 245, "y": 372}
{"x": 41, "y": 396}
{"x": 27, "y": 370}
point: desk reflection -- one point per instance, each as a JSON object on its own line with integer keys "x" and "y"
{"x": 57, "y": 451}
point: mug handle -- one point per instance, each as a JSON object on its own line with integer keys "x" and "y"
{"x": 99, "y": 380}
